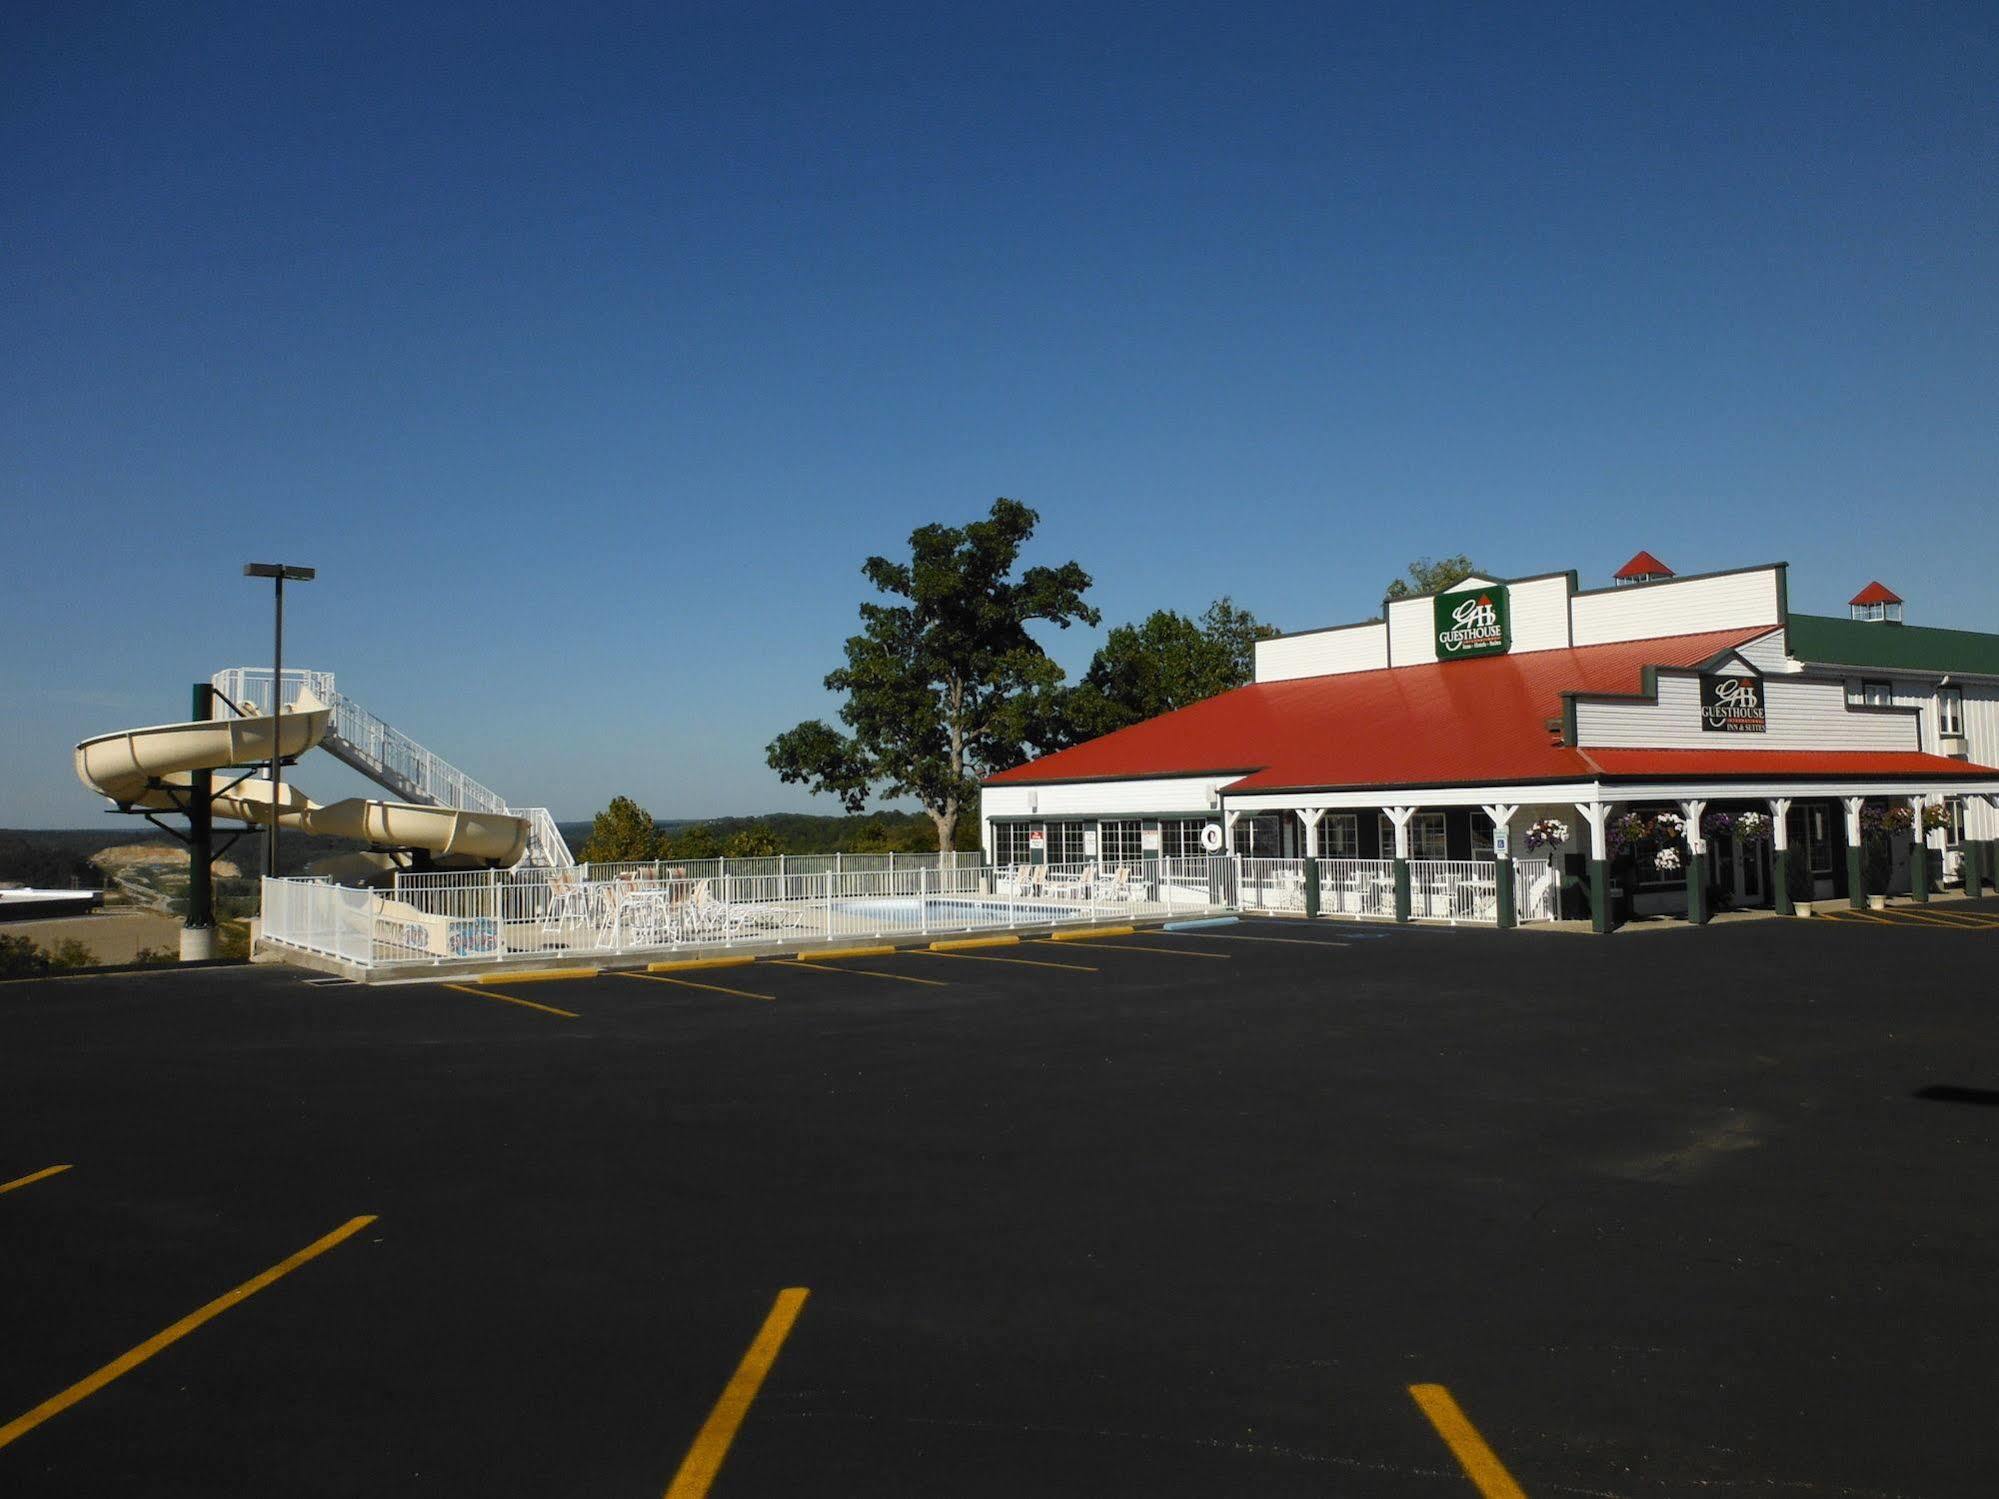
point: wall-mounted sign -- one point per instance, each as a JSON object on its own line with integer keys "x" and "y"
{"x": 1037, "y": 839}
{"x": 1211, "y": 837}
{"x": 1502, "y": 842}
{"x": 1148, "y": 841}
{"x": 1475, "y": 622}
{"x": 1731, "y": 704}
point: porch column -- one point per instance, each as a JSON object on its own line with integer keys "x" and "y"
{"x": 1780, "y": 853}
{"x": 1400, "y": 817}
{"x": 1597, "y": 814}
{"x": 1981, "y": 855}
{"x": 1311, "y": 821}
{"x": 1501, "y": 814}
{"x": 1696, "y": 871}
{"x": 1919, "y": 850}
{"x": 1856, "y": 868}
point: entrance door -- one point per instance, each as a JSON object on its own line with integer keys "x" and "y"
{"x": 1749, "y": 883}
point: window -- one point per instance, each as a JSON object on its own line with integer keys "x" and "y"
{"x": 1426, "y": 836}
{"x": 1182, "y": 839}
{"x": 1256, "y": 837}
{"x": 1119, "y": 843}
{"x": 1065, "y": 842}
{"x": 1339, "y": 836}
{"x": 1953, "y": 833}
{"x": 1818, "y": 832}
{"x": 1481, "y": 837}
{"x": 1870, "y": 694}
{"x": 1950, "y": 710}
{"x": 1010, "y": 842}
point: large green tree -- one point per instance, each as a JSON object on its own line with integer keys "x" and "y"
{"x": 1164, "y": 662}
{"x": 622, "y": 831}
{"x": 1431, "y": 575}
{"x": 945, "y": 686}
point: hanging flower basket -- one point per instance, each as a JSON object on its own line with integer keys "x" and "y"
{"x": 1549, "y": 832}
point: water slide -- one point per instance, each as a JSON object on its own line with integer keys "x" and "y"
{"x": 145, "y": 768}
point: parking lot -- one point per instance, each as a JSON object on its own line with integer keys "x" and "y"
{"x": 1264, "y": 1209}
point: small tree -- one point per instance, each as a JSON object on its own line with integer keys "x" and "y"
{"x": 750, "y": 843}
{"x": 1427, "y": 575}
{"x": 695, "y": 841}
{"x": 622, "y": 831}
{"x": 947, "y": 686}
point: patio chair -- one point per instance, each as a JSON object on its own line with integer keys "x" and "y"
{"x": 1115, "y": 891}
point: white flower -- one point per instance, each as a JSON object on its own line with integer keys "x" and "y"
{"x": 1667, "y": 859}
{"x": 1670, "y": 823}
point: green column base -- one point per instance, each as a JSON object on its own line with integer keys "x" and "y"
{"x": 1311, "y": 886}
{"x": 1401, "y": 889}
{"x": 1780, "y": 875}
{"x": 1696, "y": 890}
{"x": 1503, "y": 888}
{"x": 1599, "y": 895}
{"x": 1973, "y": 873}
{"x": 1919, "y": 873}
{"x": 1856, "y": 878}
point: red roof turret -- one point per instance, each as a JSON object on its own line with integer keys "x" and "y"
{"x": 1876, "y": 593}
{"x": 1644, "y": 565}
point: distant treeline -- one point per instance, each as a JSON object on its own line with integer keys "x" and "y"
{"x": 801, "y": 833}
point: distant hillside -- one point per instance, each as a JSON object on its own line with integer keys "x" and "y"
{"x": 59, "y": 858}
{"x": 804, "y": 833}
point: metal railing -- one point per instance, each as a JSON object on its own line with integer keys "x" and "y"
{"x": 1357, "y": 887}
{"x": 494, "y": 915}
{"x": 389, "y": 757}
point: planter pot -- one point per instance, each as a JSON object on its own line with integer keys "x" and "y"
{"x": 1877, "y": 902}
{"x": 1802, "y": 907}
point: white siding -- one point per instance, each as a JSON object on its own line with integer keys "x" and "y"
{"x": 1768, "y": 654}
{"x": 1540, "y": 612}
{"x": 1322, "y": 653}
{"x": 1412, "y": 632}
{"x": 1103, "y": 798}
{"x": 1687, "y": 607}
{"x": 1802, "y": 715}
{"x": 1981, "y": 743}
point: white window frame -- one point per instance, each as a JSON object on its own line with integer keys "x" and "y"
{"x": 1339, "y": 835}
{"x": 1950, "y": 711}
{"x": 1481, "y": 837}
{"x": 1873, "y": 693}
{"x": 1429, "y": 830}
{"x": 1120, "y": 841}
{"x": 1011, "y": 841}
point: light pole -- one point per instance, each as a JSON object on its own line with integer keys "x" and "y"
{"x": 278, "y": 572}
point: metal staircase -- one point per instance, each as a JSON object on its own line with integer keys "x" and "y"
{"x": 389, "y": 757}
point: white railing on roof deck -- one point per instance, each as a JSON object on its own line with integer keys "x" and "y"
{"x": 493, "y": 915}
{"x": 389, "y": 757}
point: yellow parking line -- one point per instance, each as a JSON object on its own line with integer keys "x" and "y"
{"x": 126, "y": 1362}
{"x": 661, "y": 978}
{"x": 711, "y": 1443}
{"x": 900, "y": 978}
{"x": 510, "y": 999}
{"x": 1926, "y": 918}
{"x": 1851, "y": 915}
{"x": 1164, "y": 952}
{"x": 32, "y": 1177}
{"x": 979, "y": 957}
{"x": 1481, "y": 1464}
{"x": 1966, "y": 921}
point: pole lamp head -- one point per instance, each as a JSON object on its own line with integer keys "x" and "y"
{"x": 282, "y": 570}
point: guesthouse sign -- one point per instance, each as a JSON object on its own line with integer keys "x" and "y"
{"x": 1474, "y": 622}
{"x": 1731, "y": 704}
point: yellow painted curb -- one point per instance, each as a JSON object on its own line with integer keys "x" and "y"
{"x": 952, "y": 944}
{"x": 536, "y": 976}
{"x": 1092, "y": 931}
{"x": 741, "y": 961}
{"x": 848, "y": 952}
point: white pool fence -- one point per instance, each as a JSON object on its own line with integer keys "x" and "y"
{"x": 592, "y": 911}
{"x": 1450, "y": 890}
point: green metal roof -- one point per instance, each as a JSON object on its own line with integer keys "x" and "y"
{"x": 1860, "y": 642}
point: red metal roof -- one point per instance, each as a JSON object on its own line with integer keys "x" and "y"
{"x": 1453, "y": 723}
{"x": 1644, "y": 565}
{"x": 1876, "y": 593}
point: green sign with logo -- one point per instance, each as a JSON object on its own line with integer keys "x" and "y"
{"x": 1473, "y": 622}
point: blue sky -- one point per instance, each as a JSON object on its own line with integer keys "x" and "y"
{"x": 587, "y": 351}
